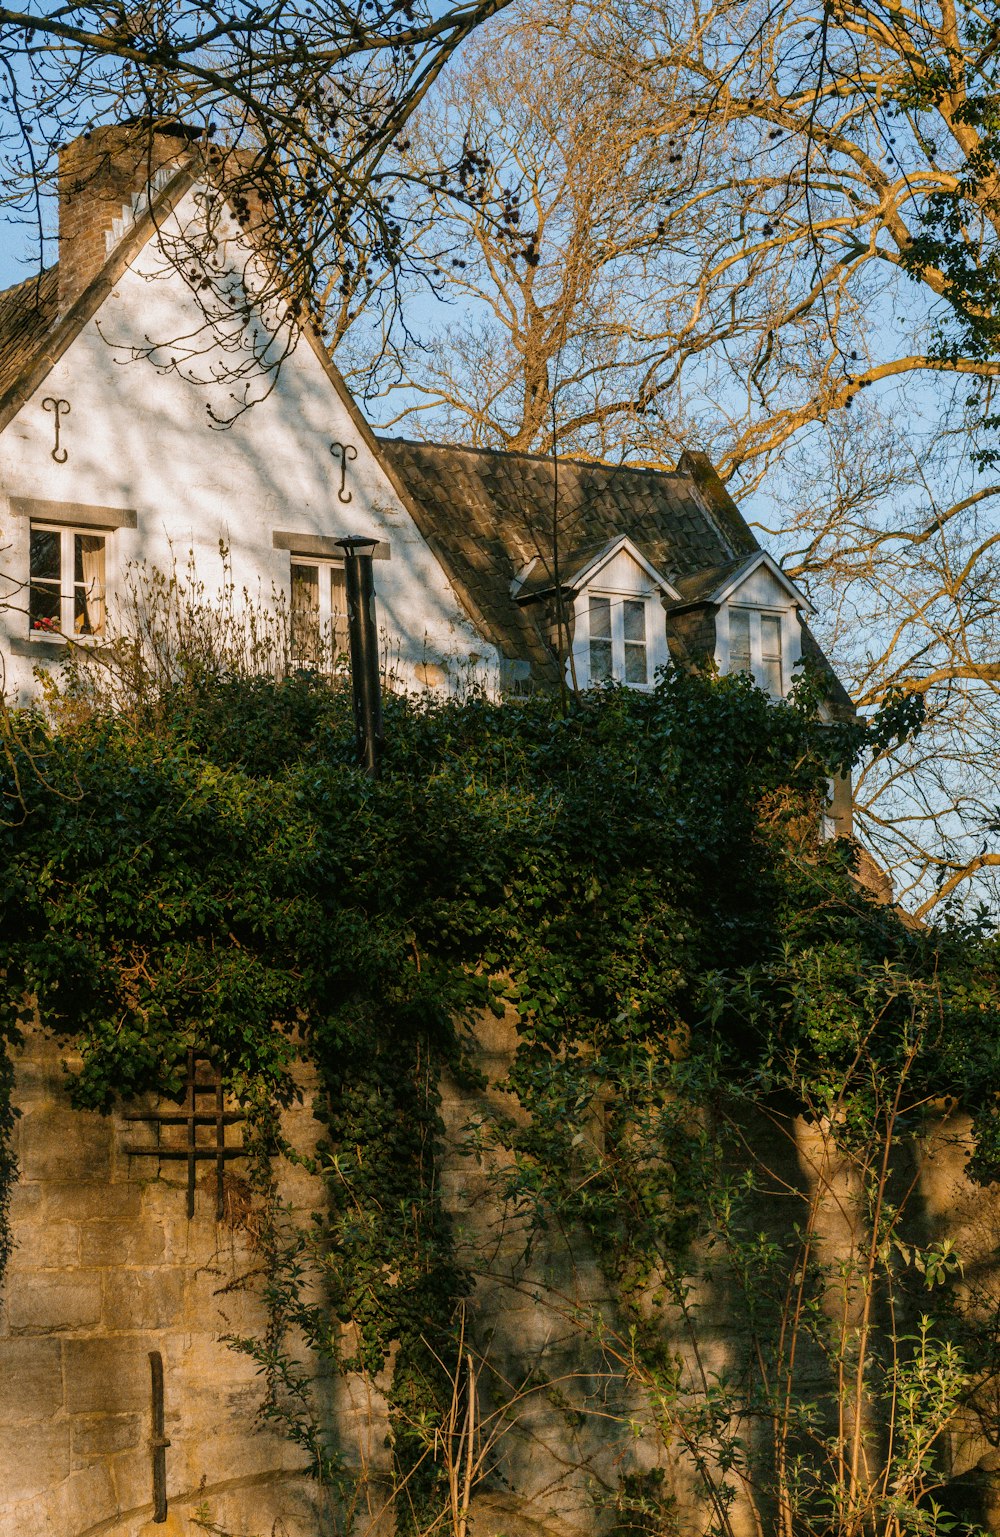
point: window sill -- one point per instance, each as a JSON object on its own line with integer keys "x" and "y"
{"x": 48, "y": 645}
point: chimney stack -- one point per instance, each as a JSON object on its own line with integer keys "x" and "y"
{"x": 100, "y": 174}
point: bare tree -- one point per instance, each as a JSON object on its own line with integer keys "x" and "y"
{"x": 780, "y": 170}
{"x": 307, "y": 103}
{"x": 573, "y": 287}
{"x": 771, "y": 232}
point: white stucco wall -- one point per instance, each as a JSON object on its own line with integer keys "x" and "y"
{"x": 138, "y": 436}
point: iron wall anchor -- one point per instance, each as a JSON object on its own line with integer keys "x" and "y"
{"x": 158, "y": 1442}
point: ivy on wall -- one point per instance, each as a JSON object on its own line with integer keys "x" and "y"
{"x": 641, "y": 880}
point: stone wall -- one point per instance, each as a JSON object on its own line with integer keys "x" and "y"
{"x": 108, "y": 1268}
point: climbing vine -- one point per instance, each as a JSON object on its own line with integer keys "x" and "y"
{"x": 641, "y": 887}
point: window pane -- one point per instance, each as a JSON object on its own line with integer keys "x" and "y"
{"x": 600, "y": 661}
{"x": 45, "y": 545}
{"x": 305, "y": 612}
{"x": 772, "y": 677}
{"x": 88, "y": 585}
{"x": 338, "y": 611}
{"x": 601, "y": 667}
{"x": 770, "y": 645}
{"x": 635, "y": 664}
{"x": 43, "y": 607}
{"x": 634, "y": 624}
{"x": 635, "y": 621}
{"x": 600, "y": 618}
{"x": 770, "y": 636}
{"x": 739, "y": 640}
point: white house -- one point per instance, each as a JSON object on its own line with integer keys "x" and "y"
{"x": 116, "y": 378}
{"x": 128, "y": 438}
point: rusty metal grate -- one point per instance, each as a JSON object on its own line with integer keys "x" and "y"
{"x": 203, "y": 1081}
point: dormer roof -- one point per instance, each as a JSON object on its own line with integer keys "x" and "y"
{"x": 580, "y": 568}
{"x": 717, "y": 584}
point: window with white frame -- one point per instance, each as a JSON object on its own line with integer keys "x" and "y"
{"x": 67, "y": 575}
{"x": 755, "y": 647}
{"x": 319, "y": 629}
{"x": 619, "y": 640}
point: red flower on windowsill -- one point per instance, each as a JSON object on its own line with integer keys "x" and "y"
{"x": 48, "y": 625}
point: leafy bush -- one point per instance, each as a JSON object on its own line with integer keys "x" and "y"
{"x": 642, "y": 880}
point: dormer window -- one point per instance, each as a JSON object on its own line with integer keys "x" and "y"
{"x": 619, "y": 646}
{"x": 755, "y": 647}
{"x": 613, "y": 599}
{"x": 757, "y": 617}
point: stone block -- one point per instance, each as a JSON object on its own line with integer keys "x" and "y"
{"x": 41, "y": 1050}
{"x": 27, "y": 1518}
{"x": 65, "y": 1145}
{"x": 230, "y": 1454}
{"x": 239, "y": 1310}
{"x": 94, "y": 1436}
{"x": 165, "y": 1201}
{"x": 208, "y": 1365}
{"x": 299, "y": 1124}
{"x": 37, "y": 1087}
{"x": 130, "y": 1473}
{"x": 216, "y": 1302}
{"x": 113, "y": 1243}
{"x": 31, "y": 1383}
{"x": 143, "y": 1299}
{"x": 86, "y": 1500}
{"x": 284, "y": 1508}
{"x": 70, "y": 1201}
{"x": 46, "y": 1246}
{"x": 174, "y": 1526}
{"x": 496, "y": 1037}
{"x": 184, "y": 1243}
{"x": 45, "y": 1299}
{"x": 26, "y": 1200}
{"x": 107, "y": 1375}
{"x": 302, "y": 1191}
{"x": 34, "y": 1458}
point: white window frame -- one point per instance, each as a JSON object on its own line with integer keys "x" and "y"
{"x": 791, "y": 641}
{"x": 657, "y": 653}
{"x": 324, "y": 566}
{"x": 68, "y": 532}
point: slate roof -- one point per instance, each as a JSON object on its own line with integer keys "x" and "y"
{"x": 27, "y": 313}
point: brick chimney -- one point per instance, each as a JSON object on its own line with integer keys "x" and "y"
{"x": 103, "y": 178}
